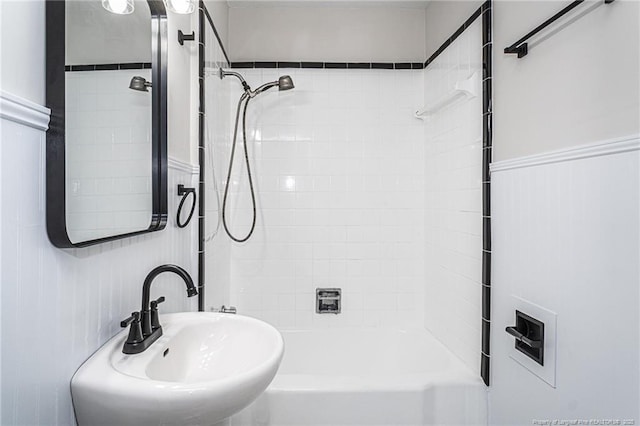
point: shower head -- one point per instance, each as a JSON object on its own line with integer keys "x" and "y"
{"x": 285, "y": 83}
{"x": 140, "y": 84}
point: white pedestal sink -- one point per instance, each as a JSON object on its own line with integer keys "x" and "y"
{"x": 205, "y": 368}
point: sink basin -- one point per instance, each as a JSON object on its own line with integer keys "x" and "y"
{"x": 203, "y": 369}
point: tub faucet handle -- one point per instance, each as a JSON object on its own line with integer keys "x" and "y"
{"x": 228, "y": 309}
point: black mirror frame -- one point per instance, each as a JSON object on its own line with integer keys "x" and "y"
{"x": 55, "y": 145}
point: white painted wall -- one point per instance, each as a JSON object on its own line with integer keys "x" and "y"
{"x": 182, "y": 97}
{"x": 580, "y": 85}
{"x": 219, "y": 11}
{"x": 453, "y": 199}
{"x": 22, "y": 30}
{"x": 322, "y": 33}
{"x": 566, "y": 237}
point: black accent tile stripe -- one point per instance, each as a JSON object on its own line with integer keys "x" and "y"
{"x": 486, "y": 234}
{"x": 486, "y": 24}
{"x": 402, "y": 65}
{"x": 486, "y": 199}
{"x": 289, "y": 65}
{"x": 132, "y": 66}
{"x": 486, "y": 52}
{"x": 109, "y": 67}
{"x": 242, "y": 65}
{"x": 486, "y": 336}
{"x": 484, "y": 368}
{"x": 382, "y": 65}
{"x": 486, "y": 95}
{"x": 331, "y": 65}
{"x": 265, "y": 64}
{"x": 487, "y": 71}
{"x": 359, "y": 65}
{"x": 487, "y": 131}
{"x": 487, "y": 143}
{"x": 486, "y": 272}
{"x": 83, "y": 67}
{"x": 202, "y": 14}
{"x": 312, "y": 64}
{"x": 486, "y": 308}
{"x": 486, "y": 164}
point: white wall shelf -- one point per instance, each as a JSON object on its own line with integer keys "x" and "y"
{"x": 465, "y": 89}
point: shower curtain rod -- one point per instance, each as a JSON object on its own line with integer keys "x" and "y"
{"x": 521, "y": 47}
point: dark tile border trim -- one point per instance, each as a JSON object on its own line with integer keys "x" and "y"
{"x": 203, "y": 14}
{"x": 487, "y": 143}
{"x": 109, "y": 67}
{"x": 332, "y": 65}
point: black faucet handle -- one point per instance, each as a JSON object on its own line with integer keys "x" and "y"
{"x": 155, "y": 303}
{"x": 135, "y": 317}
{"x": 135, "y": 332}
{"x": 155, "y": 319}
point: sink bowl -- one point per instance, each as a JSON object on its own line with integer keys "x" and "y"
{"x": 203, "y": 369}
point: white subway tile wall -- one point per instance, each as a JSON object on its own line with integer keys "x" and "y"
{"x": 217, "y": 141}
{"x": 59, "y": 306}
{"x": 108, "y": 146}
{"x": 453, "y": 200}
{"x": 338, "y": 168}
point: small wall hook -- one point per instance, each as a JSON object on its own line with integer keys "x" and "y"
{"x": 182, "y": 37}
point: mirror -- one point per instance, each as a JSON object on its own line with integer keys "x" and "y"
{"x": 106, "y": 145}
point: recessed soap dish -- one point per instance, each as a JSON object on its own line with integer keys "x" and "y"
{"x": 328, "y": 300}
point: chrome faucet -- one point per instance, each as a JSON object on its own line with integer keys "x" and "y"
{"x": 145, "y": 325}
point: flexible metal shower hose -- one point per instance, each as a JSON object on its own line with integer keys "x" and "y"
{"x": 246, "y": 159}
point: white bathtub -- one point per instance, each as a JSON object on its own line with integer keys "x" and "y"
{"x": 368, "y": 377}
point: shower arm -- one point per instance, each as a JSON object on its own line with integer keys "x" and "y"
{"x": 224, "y": 74}
{"x": 245, "y": 85}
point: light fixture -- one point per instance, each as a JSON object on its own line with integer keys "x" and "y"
{"x": 181, "y": 6}
{"x": 120, "y": 7}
